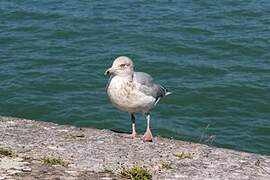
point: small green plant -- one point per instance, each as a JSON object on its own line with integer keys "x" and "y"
{"x": 54, "y": 161}
{"x": 106, "y": 170}
{"x": 74, "y": 135}
{"x": 183, "y": 155}
{"x": 207, "y": 138}
{"x": 136, "y": 173}
{"x": 7, "y": 152}
{"x": 166, "y": 165}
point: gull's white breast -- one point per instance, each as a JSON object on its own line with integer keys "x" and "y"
{"x": 125, "y": 95}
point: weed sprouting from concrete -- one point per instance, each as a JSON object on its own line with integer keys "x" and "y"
{"x": 7, "y": 152}
{"x": 206, "y": 138}
{"x": 136, "y": 173}
{"x": 74, "y": 136}
{"x": 107, "y": 170}
{"x": 210, "y": 140}
{"x": 183, "y": 155}
{"x": 166, "y": 165}
{"x": 54, "y": 161}
{"x": 204, "y": 132}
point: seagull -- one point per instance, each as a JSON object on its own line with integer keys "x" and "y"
{"x": 133, "y": 92}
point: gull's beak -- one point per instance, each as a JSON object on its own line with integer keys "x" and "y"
{"x": 108, "y": 71}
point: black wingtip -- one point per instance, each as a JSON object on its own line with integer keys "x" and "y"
{"x": 167, "y": 92}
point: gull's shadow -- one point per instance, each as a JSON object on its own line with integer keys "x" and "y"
{"x": 119, "y": 131}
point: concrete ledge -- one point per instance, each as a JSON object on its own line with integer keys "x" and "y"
{"x": 102, "y": 154}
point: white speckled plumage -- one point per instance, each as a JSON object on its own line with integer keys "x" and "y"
{"x": 133, "y": 91}
{"x": 126, "y": 96}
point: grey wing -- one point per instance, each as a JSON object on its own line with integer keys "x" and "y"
{"x": 148, "y": 87}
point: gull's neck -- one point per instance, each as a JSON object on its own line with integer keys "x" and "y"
{"x": 128, "y": 77}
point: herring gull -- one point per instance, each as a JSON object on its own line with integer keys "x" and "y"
{"x": 133, "y": 92}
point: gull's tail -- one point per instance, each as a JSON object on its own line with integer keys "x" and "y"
{"x": 162, "y": 93}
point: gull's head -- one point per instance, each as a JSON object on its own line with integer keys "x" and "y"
{"x": 122, "y": 66}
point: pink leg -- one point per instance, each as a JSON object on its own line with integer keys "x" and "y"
{"x": 148, "y": 137}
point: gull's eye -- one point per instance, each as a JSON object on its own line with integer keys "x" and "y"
{"x": 122, "y": 65}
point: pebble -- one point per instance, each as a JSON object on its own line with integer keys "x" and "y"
{"x": 27, "y": 169}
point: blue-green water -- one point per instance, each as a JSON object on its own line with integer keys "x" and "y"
{"x": 213, "y": 55}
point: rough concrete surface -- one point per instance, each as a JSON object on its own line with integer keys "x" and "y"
{"x": 102, "y": 154}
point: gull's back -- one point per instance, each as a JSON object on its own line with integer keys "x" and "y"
{"x": 148, "y": 87}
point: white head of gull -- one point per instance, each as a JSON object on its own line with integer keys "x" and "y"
{"x": 133, "y": 92}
